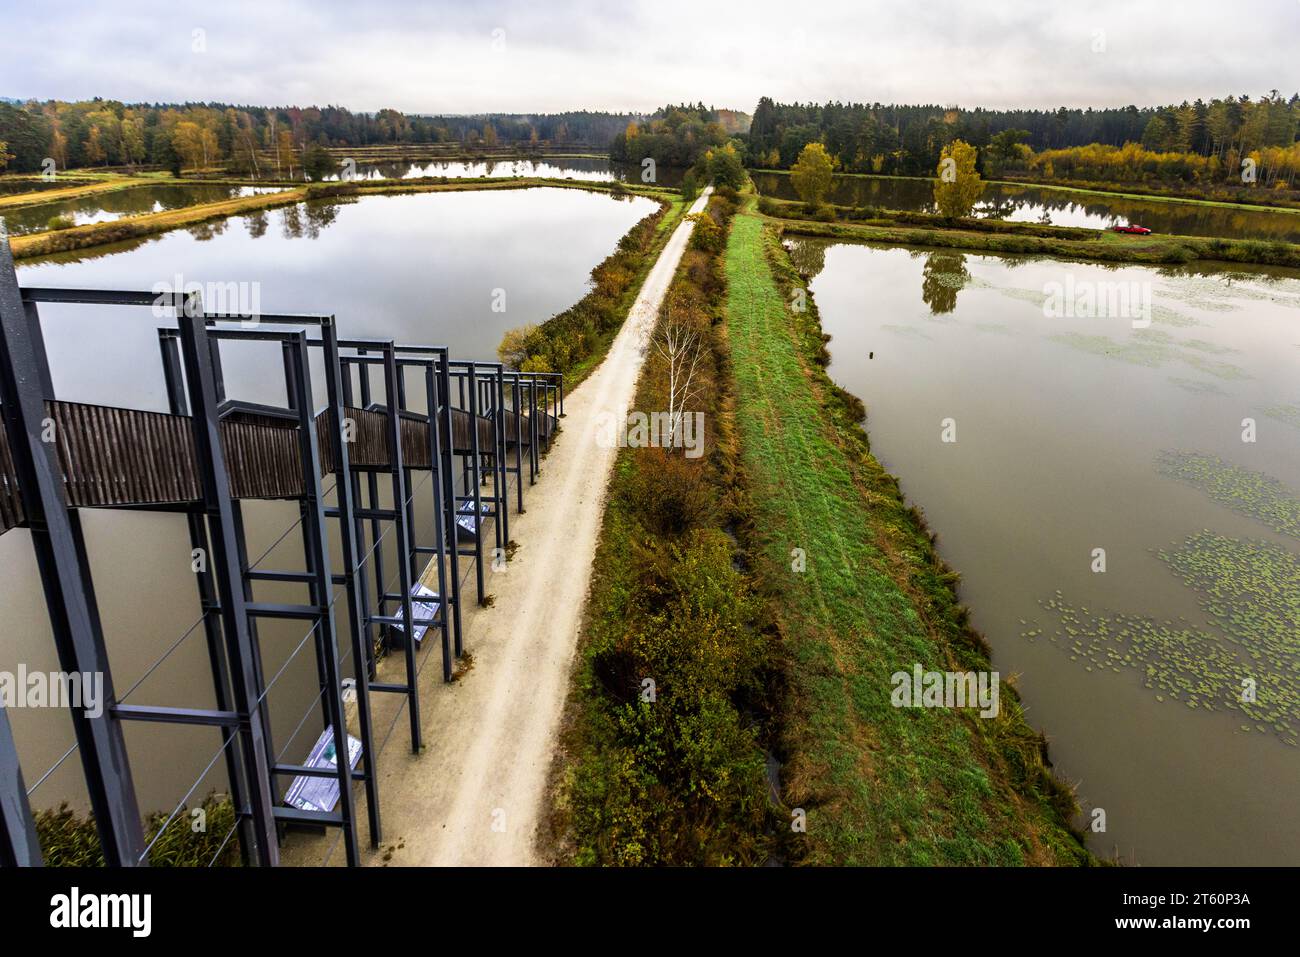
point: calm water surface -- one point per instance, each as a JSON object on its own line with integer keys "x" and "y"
{"x": 1056, "y": 207}
{"x": 1076, "y": 434}
{"x": 455, "y": 269}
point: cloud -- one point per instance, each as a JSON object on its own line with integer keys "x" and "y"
{"x": 568, "y": 54}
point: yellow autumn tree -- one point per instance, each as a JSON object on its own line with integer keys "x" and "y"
{"x": 958, "y": 186}
{"x": 811, "y": 174}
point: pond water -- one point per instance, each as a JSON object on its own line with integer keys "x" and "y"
{"x": 421, "y": 269}
{"x": 1058, "y": 207}
{"x": 453, "y": 268}
{"x": 1073, "y": 434}
{"x": 133, "y": 201}
{"x": 590, "y": 168}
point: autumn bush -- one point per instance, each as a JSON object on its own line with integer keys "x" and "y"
{"x": 670, "y": 493}
{"x": 707, "y": 235}
{"x": 668, "y": 717}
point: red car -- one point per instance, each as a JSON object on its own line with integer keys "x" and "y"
{"x": 1132, "y": 228}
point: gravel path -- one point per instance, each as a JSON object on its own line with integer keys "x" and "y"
{"x": 475, "y": 796}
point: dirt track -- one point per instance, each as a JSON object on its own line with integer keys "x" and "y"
{"x": 475, "y": 796}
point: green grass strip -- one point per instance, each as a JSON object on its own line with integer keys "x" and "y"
{"x": 881, "y": 785}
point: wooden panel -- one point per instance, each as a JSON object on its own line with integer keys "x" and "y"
{"x": 11, "y": 503}
{"x": 263, "y": 461}
{"x": 112, "y": 456}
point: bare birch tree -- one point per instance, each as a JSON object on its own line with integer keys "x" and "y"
{"x": 679, "y": 344}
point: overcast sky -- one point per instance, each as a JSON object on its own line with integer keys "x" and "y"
{"x": 546, "y": 55}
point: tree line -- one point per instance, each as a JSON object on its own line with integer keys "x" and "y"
{"x": 1188, "y": 142}
{"x": 99, "y": 132}
{"x": 676, "y": 136}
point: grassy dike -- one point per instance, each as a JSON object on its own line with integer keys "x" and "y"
{"x": 879, "y": 784}
{"x": 1260, "y": 200}
{"x": 998, "y": 236}
{"x": 137, "y": 227}
{"x": 71, "y": 191}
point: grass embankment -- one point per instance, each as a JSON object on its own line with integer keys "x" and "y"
{"x": 1240, "y": 197}
{"x": 673, "y": 773}
{"x": 39, "y": 197}
{"x": 880, "y": 784}
{"x": 135, "y": 227}
{"x": 992, "y": 235}
{"x": 1243, "y": 198}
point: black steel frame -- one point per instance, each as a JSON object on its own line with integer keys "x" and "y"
{"x": 192, "y": 370}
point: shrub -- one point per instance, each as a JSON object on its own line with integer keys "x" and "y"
{"x": 671, "y": 493}
{"x": 513, "y": 349}
{"x": 680, "y": 779}
{"x": 60, "y": 222}
{"x": 69, "y": 839}
{"x": 707, "y": 236}
{"x": 690, "y": 189}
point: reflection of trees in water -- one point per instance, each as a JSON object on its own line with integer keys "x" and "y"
{"x": 318, "y": 216}
{"x": 997, "y": 207}
{"x": 808, "y": 256}
{"x": 308, "y": 219}
{"x": 942, "y": 277}
{"x": 291, "y": 222}
{"x": 208, "y": 230}
{"x": 256, "y": 224}
{"x": 131, "y": 201}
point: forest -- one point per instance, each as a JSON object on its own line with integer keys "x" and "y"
{"x": 1230, "y": 140}
{"x": 1193, "y": 142}
{"x": 99, "y": 132}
